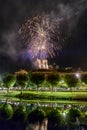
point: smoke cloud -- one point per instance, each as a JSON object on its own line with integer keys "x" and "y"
{"x": 18, "y": 12}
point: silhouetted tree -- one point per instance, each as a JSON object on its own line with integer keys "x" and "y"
{"x": 36, "y": 116}
{"x": 9, "y": 81}
{"x": 37, "y": 78}
{"x": 54, "y": 119}
{"x": 6, "y": 111}
{"x": 22, "y": 79}
{"x": 53, "y": 79}
{"x": 71, "y": 80}
{"x": 84, "y": 78}
{"x": 72, "y": 116}
{"x": 20, "y": 114}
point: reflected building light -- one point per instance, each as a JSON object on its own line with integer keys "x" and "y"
{"x": 44, "y": 125}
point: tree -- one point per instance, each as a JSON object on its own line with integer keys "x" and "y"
{"x": 71, "y": 80}
{"x": 54, "y": 119}
{"x": 36, "y": 116}
{"x": 37, "y": 78}
{"x": 72, "y": 114}
{"x": 22, "y": 78}
{"x": 53, "y": 79}
{"x": 84, "y": 78}
{"x": 6, "y": 112}
{"x": 45, "y": 85}
{"x": 9, "y": 81}
{"x": 20, "y": 114}
{"x": 72, "y": 117}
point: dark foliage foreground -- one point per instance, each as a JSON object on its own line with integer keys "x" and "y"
{"x": 21, "y": 117}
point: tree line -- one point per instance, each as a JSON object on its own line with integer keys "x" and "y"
{"x": 25, "y": 79}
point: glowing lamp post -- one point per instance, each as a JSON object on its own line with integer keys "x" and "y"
{"x": 78, "y": 77}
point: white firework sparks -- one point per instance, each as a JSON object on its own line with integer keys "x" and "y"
{"x": 41, "y": 36}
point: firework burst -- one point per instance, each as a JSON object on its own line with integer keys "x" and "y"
{"x": 41, "y": 36}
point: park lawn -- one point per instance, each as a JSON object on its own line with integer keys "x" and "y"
{"x": 61, "y": 95}
{"x": 64, "y": 95}
{"x": 10, "y": 94}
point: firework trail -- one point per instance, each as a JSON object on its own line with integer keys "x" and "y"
{"x": 41, "y": 36}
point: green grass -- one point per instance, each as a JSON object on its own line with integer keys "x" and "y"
{"x": 34, "y": 95}
{"x": 54, "y": 95}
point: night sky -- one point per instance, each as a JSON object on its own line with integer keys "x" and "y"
{"x": 13, "y": 13}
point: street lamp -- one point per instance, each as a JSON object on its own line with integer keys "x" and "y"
{"x": 64, "y": 114}
{"x": 77, "y": 75}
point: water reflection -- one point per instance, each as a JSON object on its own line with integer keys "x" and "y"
{"x": 35, "y": 115}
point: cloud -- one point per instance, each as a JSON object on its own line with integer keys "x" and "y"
{"x": 70, "y": 12}
{"x": 10, "y": 46}
{"x": 21, "y": 10}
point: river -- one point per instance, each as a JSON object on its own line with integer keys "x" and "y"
{"x": 21, "y": 119}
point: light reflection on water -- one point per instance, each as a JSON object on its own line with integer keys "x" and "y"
{"x": 62, "y": 105}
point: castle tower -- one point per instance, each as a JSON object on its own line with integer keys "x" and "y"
{"x": 42, "y": 63}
